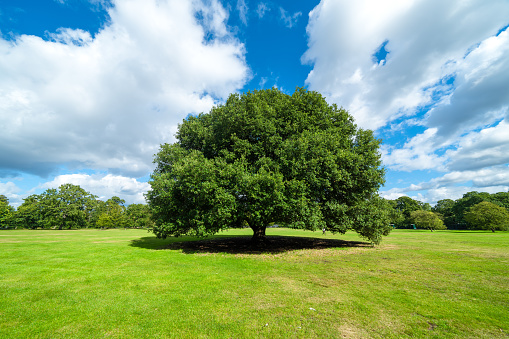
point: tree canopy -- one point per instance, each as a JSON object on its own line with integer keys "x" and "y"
{"x": 444, "y": 208}
{"x": 67, "y": 207}
{"x": 6, "y": 212}
{"x": 138, "y": 216}
{"x": 112, "y": 214}
{"x": 428, "y": 220}
{"x": 487, "y": 216}
{"x": 70, "y": 207}
{"x": 266, "y": 157}
{"x": 453, "y": 213}
{"x": 402, "y": 209}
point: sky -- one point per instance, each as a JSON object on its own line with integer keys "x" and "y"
{"x": 89, "y": 89}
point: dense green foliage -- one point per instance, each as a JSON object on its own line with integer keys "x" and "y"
{"x": 427, "y": 219}
{"x": 113, "y": 214}
{"x": 6, "y": 212}
{"x": 67, "y": 207}
{"x": 444, "y": 208}
{"x": 138, "y": 216}
{"x": 488, "y": 216}
{"x": 403, "y": 208}
{"x": 39, "y": 211}
{"x": 267, "y": 157}
{"x": 470, "y": 199}
{"x": 71, "y": 207}
{"x": 453, "y": 213}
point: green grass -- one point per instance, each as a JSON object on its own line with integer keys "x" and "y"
{"x": 118, "y": 284}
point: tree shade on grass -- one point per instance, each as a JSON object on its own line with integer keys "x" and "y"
{"x": 120, "y": 283}
{"x": 267, "y": 157}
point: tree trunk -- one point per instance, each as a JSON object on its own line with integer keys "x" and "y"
{"x": 259, "y": 236}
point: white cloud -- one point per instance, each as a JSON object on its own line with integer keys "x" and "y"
{"x": 104, "y": 186}
{"x": 488, "y": 147}
{"x": 427, "y": 40}
{"x": 289, "y": 20}
{"x": 262, "y": 9}
{"x": 263, "y": 81}
{"x": 391, "y": 195}
{"x": 107, "y": 102}
{"x": 481, "y": 96}
{"x": 416, "y": 154}
{"x": 11, "y": 191}
{"x": 68, "y": 36}
{"x": 454, "y": 184}
{"x": 446, "y": 70}
{"x": 475, "y": 150}
{"x": 243, "y": 9}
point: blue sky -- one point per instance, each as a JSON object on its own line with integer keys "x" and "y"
{"x": 89, "y": 89}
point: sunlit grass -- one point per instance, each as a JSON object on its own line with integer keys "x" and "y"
{"x": 118, "y": 284}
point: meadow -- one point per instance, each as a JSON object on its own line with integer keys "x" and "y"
{"x": 128, "y": 284}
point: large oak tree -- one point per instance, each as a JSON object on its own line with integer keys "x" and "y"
{"x": 267, "y": 157}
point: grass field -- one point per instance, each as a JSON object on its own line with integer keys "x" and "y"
{"x": 125, "y": 284}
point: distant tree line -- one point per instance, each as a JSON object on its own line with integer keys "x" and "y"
{"x": 71, "y": 207}
{"x": 475, "y": 210}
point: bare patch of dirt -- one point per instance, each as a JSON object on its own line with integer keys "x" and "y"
{"x": 432, "y": 326}
{"x": 351, "y": 332}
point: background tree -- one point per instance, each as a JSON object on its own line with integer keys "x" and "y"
{"x": 427, "y": 220}
{"x": 396, "y": 216}
{"x": 74, "y": 204}
{"x": 500, "y": 199}
{"x": 6, "y": 212}
{"x": 50, "y": 209}
{"x": 67, "y": 207}
{"x": 138, "y": 216}
{"x": 266, "y": 157}
{"x": 29, "y": 214}
{"x": 3, "y": 199}
{"x": 487, "y": 216}
{"x": 444, "y": 208}
{"x": 113, "y": 214}
{"x": 462, "y": 205}
{"x": 98, "y": 208}
{"x": 406, "y": 206}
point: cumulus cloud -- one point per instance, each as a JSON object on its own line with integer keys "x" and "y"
{"x": 488, "y": 147}
{"x": 481, "y": 94}
{"x": 107, "y": 102}
{"x": 453, "y": 185}
{"x": 416, "y": 154}
{"x": 104, "y": 186}
{"x": 425, "y": 40}
{"x": 439, "y": 65}
{"x": 11, "y": 191}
